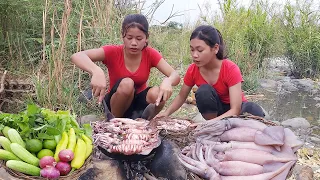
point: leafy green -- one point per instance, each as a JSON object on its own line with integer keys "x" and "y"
{"x": 87, "y": 130}
{"x": 42, "y": 123}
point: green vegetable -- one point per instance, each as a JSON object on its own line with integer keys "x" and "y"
{"x": 23, "y": 154}
{"x": 89, "y": 145}
{"x": 63, "y": 143}
{"x": 6, "y": 155}
{"x": 15, "y": 137}
{"x": 40, "y": 123}
{"x": 49, "y": 144}
{"x": 88, "y": 130}
{"x": 5, "y": 143}
{"x": 57, "y": 138}
{"x": 5, "y": 131}
{"x": 79, "y": 154}
{"x": 33, "y": 145}
{"x": 72, "y": 140}
{"x": 23, "y": 167}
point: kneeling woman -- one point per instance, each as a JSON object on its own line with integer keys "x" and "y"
{"x": 129, "y": 66}
{"x": 219, "y": 79}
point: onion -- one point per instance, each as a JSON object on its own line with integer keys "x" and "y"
{"x": 63, "y": 167}
{"x": 66, "y": 155}
{"x": 47, "y": 161}
{"x": 50, "y": 172}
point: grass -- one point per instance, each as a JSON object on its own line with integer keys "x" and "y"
{"x": 42, "y": 44}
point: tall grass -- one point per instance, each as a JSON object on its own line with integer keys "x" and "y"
{"x": 302, "y": 37}
{"x": 41, "y": 44}
{"x": 80, "y": 25}
{"x": 250, "y": 33}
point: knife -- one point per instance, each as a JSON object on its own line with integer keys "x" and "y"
{"x": 107, "y": 112}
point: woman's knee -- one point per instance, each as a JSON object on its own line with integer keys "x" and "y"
{"x": 207, "y": 99}
{"x": 152, "y": 94}
{"x": 252, "y": 108}
{"x": 204, "y": 93}
{"x": 126, "y": 87}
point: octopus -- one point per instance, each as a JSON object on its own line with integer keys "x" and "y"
{"x": 233, "y": 148}
{"x": 125, "y": 136}
{"x": 171, "y": 124}
{"x": 133, "y": 136}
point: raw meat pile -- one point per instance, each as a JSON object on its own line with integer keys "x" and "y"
{"x": 125, "y": 136}
{"x": 172, "y": 124}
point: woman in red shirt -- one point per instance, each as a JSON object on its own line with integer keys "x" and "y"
{"x": 219, "y": 80}
{"x": 129, "y": 67}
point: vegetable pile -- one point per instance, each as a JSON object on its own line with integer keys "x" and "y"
{"x": 42, "y": 142}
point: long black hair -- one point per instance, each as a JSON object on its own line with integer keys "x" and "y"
{"x": 135, "y": 20}
{"x": 210, "y": 36}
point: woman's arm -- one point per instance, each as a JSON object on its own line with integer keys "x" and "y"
{"x": 172, "y": 79}
{"x": 85, "y": 61}
{"x": 178, "y": 101}
{"x": 235, "y": 93}
{"x": 167, "y": 70}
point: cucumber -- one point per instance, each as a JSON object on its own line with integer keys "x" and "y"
{"x": 24, "y": 154}
{"x": 23, "y": 167}
{"x": 6, "y": 155}
{"x": 15, "y": 137}
{"x": 5, "y": 143}
{"x": 5, "y": 131}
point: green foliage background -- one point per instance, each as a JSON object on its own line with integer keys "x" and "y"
{"x": 37, "y": 39}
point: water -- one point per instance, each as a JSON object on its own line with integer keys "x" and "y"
{"x": 283, "y": 106}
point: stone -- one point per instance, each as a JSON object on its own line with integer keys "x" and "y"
{"x": 268, "y": 83}
{"x": 103, "y": 169}
{"x": 296, "y": 123}
{"x": 280, "y": 63}
{"x": 314, "y": 91}
{"x": 303, "y": 172}
{"x": 316, "y": 98}
{"x": 198, "y": 118}
{"x": 88, "y": 118}
{"x": 288, "y": 86}
{"x": 315, "y": 140}
{"x": 304, "y": 84}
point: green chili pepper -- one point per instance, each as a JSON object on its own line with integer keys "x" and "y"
{"x": 88, "y": 144}
{"x": 79, "y": 154}
{"x": 72, "y": 140}
{"x": 61, "y": 145}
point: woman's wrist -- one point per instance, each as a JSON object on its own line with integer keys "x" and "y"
{"x": 96, "y": 70}
{"x": 168, "y": 80}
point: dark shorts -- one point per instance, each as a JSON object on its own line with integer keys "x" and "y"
{"x": 139, "y": 102}
{"x": 208, "y": 101}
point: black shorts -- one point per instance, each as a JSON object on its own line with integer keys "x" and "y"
{"x": 139, "y": 102}
{"x": 208, "y": 101}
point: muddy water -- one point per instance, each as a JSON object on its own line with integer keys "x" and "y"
{"x": 283, "y": 106}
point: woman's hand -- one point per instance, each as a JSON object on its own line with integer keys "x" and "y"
{"x": 165, "y": 91}
{"x": 162, "y": 114}
{"x": 98, "y": 84}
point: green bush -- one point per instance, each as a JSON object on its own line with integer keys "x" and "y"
{"x": 302, "y": 38}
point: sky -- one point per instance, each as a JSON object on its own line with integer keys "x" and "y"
{"x": 190, "y": 8}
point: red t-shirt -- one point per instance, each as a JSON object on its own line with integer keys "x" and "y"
{"x": 114, "y": 60}
{"x": 229, "y": 75}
